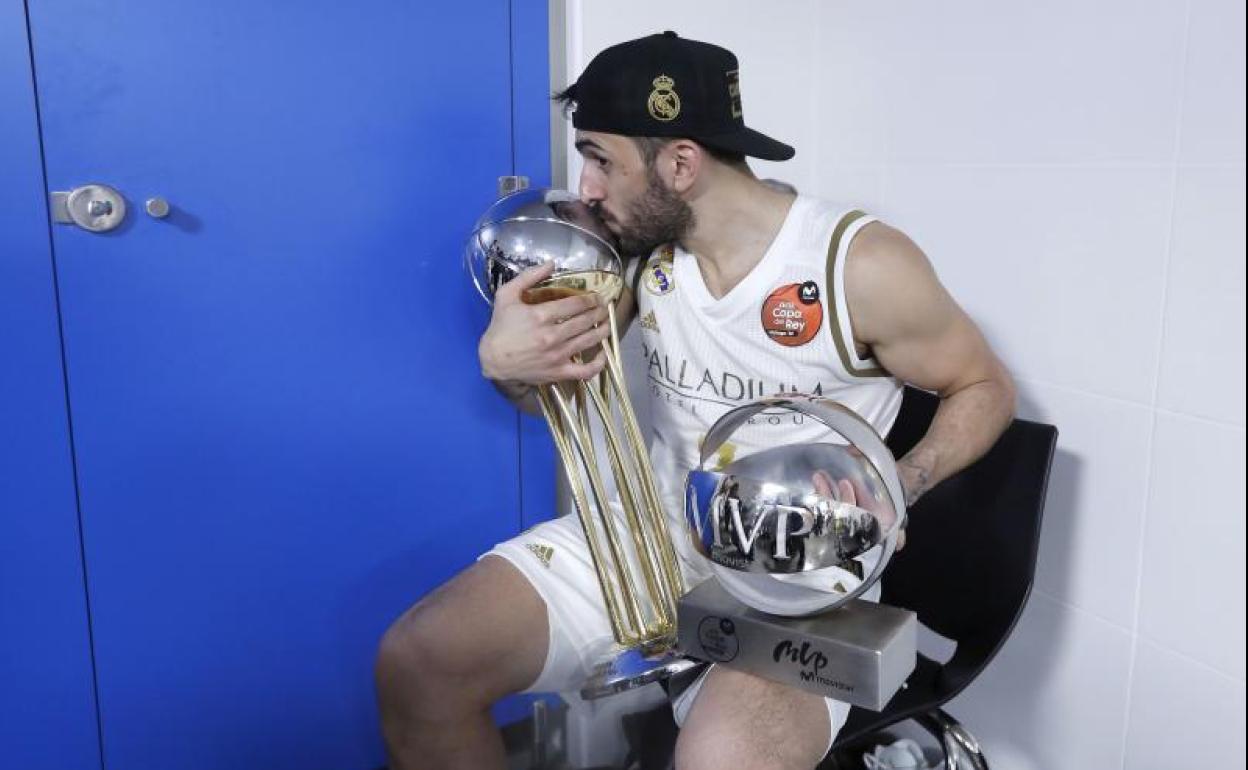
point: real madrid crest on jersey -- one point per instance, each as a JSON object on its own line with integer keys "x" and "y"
{"x": 792, "y": 314}
{"x": 664, "y": 104}
{"x": 657, "y": 274}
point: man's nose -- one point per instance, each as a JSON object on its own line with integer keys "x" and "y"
{"x": 591, "y": 191}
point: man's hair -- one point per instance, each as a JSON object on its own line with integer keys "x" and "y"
{"x": 651, "y": 146}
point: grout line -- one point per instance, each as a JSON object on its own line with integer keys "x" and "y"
{"x": 1079, "y": 609}
{"x": 1150, "y": 468}
{"x": 1230, "y": 678}
{"x": 1200, "y": 418}
{"x": 1080, "y": 391}
{"x": 1075, "y": 608}
{"x": 1103, "y": 165}
{"x": 1213, "y": 421}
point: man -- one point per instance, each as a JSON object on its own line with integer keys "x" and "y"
{"x": 743, "y": 290}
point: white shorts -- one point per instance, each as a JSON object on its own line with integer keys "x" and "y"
{"x": 555, "y": 559}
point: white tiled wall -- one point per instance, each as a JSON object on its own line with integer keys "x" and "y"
{"x": 1075, "y": 171}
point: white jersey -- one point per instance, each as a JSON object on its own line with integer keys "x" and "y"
{"x": 784, "y": 328}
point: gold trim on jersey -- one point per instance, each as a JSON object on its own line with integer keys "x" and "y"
{"x": 834, "y": 250}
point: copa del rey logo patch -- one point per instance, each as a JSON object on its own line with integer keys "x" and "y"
{"x": 792, "y": 314}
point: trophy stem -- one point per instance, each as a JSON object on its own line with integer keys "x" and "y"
{"x": 581, "y": 442}
{"x": 673, "y": 584}
{"x": 649, "y": 561}
{"x": 605, "y": 581}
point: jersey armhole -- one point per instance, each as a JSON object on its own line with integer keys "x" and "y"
{"x": 839, "y": 324}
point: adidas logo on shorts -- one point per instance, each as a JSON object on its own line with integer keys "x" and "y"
{"x": 542, "y": 552}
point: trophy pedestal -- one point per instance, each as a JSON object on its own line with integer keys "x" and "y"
{"x": 632, "y": 669}
{"x": 860, "y": 653}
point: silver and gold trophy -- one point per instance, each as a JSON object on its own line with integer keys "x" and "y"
{"x": 629, "y": 540}
{"x": 794, "y": 534}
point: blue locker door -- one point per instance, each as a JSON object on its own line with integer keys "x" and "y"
{"x": 47, "y": 703}
{"x": 283, "y": 438}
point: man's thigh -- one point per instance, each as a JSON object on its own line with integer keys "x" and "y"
{"x": 556, "y": 563}
{"x": 740, "y": 720}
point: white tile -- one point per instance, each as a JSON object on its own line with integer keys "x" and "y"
{"x": 1182, "y": 715}
{"x": 1064, "y": 81}
{"x": 1056, "y": 693}
{"x": 1202, "y": 362}
{"x": 1094, "y": 514}
{"x": 858, "y": 186}
{"x": 1192, "y": 587}
{"x": 852, "y": 102}
{"x": 1061, "y": 267}
{"x": 1213, "y": 99}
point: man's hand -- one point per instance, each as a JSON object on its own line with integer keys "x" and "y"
{"x": 845, "y": 492}
{"x": 535, "y": 344}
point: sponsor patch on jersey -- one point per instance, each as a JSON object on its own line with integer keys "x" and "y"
{"x": 792, "y": 314}
{"x": 648, "y": 321}
{"x": 658, "y": 272}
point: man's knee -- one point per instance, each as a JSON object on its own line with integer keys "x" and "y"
{"x": 458, "y": 644}
{"x": 739, "y": 720}
{"x": 412, "y": 656}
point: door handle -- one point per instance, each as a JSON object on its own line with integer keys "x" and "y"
{"x": 95, "y": 207}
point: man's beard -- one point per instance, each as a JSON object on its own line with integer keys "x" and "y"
{"x": 659, "y": 216}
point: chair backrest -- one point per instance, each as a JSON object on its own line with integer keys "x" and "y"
{"x": 970, "y": 555}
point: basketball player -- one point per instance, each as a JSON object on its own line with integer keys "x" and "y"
{"x": 741, "y": 290}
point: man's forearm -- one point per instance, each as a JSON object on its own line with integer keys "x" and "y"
{"x": 967, "y": 424}
{"x": 524, "y": 396}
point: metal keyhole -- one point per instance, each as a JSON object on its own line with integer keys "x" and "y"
{"x": 95, "y": 207}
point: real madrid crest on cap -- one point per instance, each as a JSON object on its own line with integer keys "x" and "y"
{"x": 663, "y": 104}
{"x": 668, "y": 86}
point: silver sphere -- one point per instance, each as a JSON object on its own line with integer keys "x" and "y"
{"x": 797, "y": 529}
{"x": 534, "y": 226}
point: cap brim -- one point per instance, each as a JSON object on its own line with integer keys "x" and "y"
{"x": 749, "y": 142}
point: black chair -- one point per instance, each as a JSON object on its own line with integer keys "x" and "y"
{"x": 967, "y": 570}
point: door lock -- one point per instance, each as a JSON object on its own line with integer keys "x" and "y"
{"x": 509, "y": 184}
{"x": 95, "y": 207}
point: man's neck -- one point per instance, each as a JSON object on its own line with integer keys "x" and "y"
{"x": 736, "y": 218}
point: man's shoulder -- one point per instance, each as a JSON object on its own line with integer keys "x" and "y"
{"x": 883, "y": 263}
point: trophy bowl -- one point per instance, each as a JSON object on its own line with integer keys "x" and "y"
{"x": 534, "y": 226}
{"x": 797, "y": 529}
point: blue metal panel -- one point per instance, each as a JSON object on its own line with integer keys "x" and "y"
{"x": 47, "y": 702}
{"x": 282, "y": 432}
{"x": 531, "y": 124}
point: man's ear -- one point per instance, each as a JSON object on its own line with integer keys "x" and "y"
{"x": 684, "y": 159}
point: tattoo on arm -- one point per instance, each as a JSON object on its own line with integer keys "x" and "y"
{"x": 915, "y": 470}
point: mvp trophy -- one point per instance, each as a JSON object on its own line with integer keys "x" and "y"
{"x": 630, "y": 543}
{"x": 794, "y": 534}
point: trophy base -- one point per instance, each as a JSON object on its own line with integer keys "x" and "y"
{"x": 632, "y": 669}
{"x": 860, "y": 653}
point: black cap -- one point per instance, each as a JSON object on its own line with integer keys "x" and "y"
{"x": 665, "y": 85}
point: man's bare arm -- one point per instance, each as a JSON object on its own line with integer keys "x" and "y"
{"x": 917, "y": 332}
{"x": 524, "y": 395}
